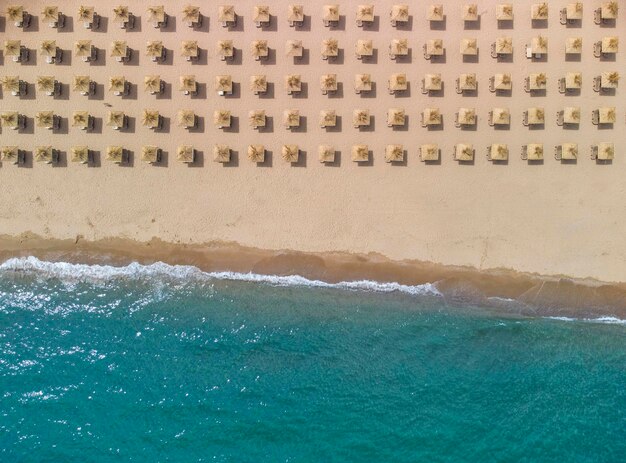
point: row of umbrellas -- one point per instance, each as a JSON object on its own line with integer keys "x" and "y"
{"x": 463, "y": 152}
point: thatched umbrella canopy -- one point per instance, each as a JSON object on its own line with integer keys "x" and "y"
{"x": 610, "y": 44}
{"x": 502, "y": 82}
{"x": 295, "y": 13}
{"x": 258, "y": 83}
{"x": 189, "y": 48}
{"x": 609, "y": 10}
{"x": 221, "y": 153}
{"x": 256, "y": 118}
{"x": 536, "y": 116}
{"x": 156, "y": 13}
{"x": 256, "y": 153}
{"x": 363, "y": 82}
{"x": 43, "y": 153}
{"x": 326, "y": 153}
{"x": 609, "y": 79}
{"x": 225, "y": 48}
{"x": 9, "y": 153}
{"x": 81, "y": 83}
{"x": 607, "y": 115}
{"x": 185, "y": 153}
{"x": 463, "y": 152}
{"x": 499, "y": 152}
{"x": 85, "y": 13}
{"x": 224, "y": 83}
{"x": 330, "y": 48}
{"x": 328, "y": 118}
{"x": 293, "y": 82}
{"x": 328, "y": 83}
{"x": 469, "y": 46}
{"x": 398, "y": 82}
{"x": 434, "y": 47}
{"x": 186, "y": 118}
{"x": 432, "y": 116}
{"x": 226, "y": 14}
{"x": 290, "y": 153}
{"x": 394, "y": 153}
{"x": 45, "y": 119}
{"x": 15, "y": 13}
{"x": 330, "y": 13}
{"x": 365, "y": 13}
{"x": 470, "y": 12}
{"x": 399, "y": 47}
{"x": 435, "y": 13}
{"x": 364, "y": 47}
{"x": 293, "y": 48}
{"x": 573, "y": 80}
{"x": 504, "y": 45}
{"x": 119, "y": 48}
{"x": 191, "y": 14}
{"x": 360, "y": 153}
{"x": 433, "y": 82}
{"x": 150, "y": 118}
{"x": 468, "y": 82}
{"x": 259, "y": 49}
{"x": 396, "y": 117}
{"x": 467, "y": 116}
{"x": 9, "y": 119}
{"x": 574, "y": 45}
{"x": 50, "y": 13}
{"x": 534, "y": 151}
{"x": 504, "y": 12}
{"x": 12, "y": 47}
{"x": 115, "y": 118}
{"x": 154, "y": 48}
{"x": 150, "y": 153}
{"x": 501, "y": 116}
{"x": 261, "y": 14}
{"x": 80, "y": 119}
{"x": 538, "y": 80}
{"x": 115, "y": 153}
{"x": 117, "y": 84}
{"x": 574, "y": 11}
{"x": 11, "y": 83}
{"x": 152, "y": 83}
{"x": 571, "y": 115}
{"x": 45, "y": 83}
{"x": 569, "y": 150}
{"x": 222, "y": 118}
{"x": 187, "y": 83}
{"x": 82, "y": 48}
{"x": 399, "y": 13}
{"x": 361, "y": 117}
{"x": 121, "y": 14}
{"x": 539, "y": 11}
{"x": 48, "y": 48}
{"x": 291, "y": 118}
{"x": 539, "y": 45}
{"x": 606, "y": 151}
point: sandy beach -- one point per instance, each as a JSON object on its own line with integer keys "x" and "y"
{"x": 554, "y": 218}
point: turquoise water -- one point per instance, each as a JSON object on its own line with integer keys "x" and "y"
{"x": 162, "y": 364}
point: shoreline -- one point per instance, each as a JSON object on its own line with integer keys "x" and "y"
{"x": 516, "y": 292}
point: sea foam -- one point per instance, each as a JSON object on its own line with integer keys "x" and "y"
{"x": 99, "y": 273}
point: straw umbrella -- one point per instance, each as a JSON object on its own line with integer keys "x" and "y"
{"x": 364, "y": 48}
{"x": 11, "y": 84}
{"x": 539, "y": 45}
{"x": 398, "y": 83}
{"x": 261, "y": 15}
{"x": 394, "y": 153}
{"x": 573, "y": 80}
{"x": 150, "y": 154}
{"x": 469, "y": 47}
{"x": 328, "y": 118}
{"x": 257, "y": 118}
{"x": 258, "y": 84}
{"x": 295, "y": 14}
{"x": 362, "y": 83}
{"x": 260, "y": 49}
{"x": 571, "y": 115}
{"x": 607, "y": 115}
{"x": 539, "y": 11}
{"x": 117, "y": 85}
{"x": 504, "y": 12}
{"x": 49, "y": 50}
{"x": 574, "y": 11}
{"x": 433, "y": 83}
{"x": 151, "y": 118}
{"x": 51, "y": 15}
{"x": 534, "y": 151}
{"x": 470, "y": 12}
{"x": 293, "y": 83}
{"x": 46, "y": 84}
{"x": 504, "y": 45}
{"x": 86, "y": 14}
{"x": 467, "y": 116}
{"x": 294, "y": 49}
{"x": 185, "y": 153}
{"x": 569, "y": 151}
{"x": 361, "y": 118}
{"x": 116, "y": 119}
{"x": 45, "y": 119}
{"x": 222, "y": 118}
{"x": 431, "y": 116}
{"x": 82, "y": 84}
{"x": 435, "y": 13}
{"x": 330, "y": 48}
{"x": 398, "y": 47}
{"x": 157, "y": 15}
{"x": 43, "y": 154}
{"x": 606, "y": 151}
{"x": 536, "y": 116}
{"x": 186, "y": 118}
{"x": 81, "y": 119}
{"x": 326, "y": 153}
{"x": 500, "y": 116}
{"x": 15, "y": 14}
{"x": 396, "y": 117}
{"x": 10, "y": 119}
{"x": 191, "y": 15}
{"x": 360, "y": 153}
{"x": 610, "y": 44}
{"x": 429, "y": 152}
{"x": 13, "y": 48}
{"x": 155, "y": 50}
{"x": 226, "y": 15}
{"x": 9, "y": 153}
{"x": 399, "y": 14}
{"x": 121, "y": 15}
{"x": 537, "y": 81}
{"x": 468, "y": 82}
{"x": 221, "y": 153}
{"x": 290, "y": 153}
{"x": 502, "y": 82}
{"x": 364, "y": 14}
{"x": 609, "y": 79}
{"x": 119, "y": 50}
{"x": 187, "y": 84}
{"x": 328, "y": 83}
{"x": 609, "y": 10}
{"x": 115, "y": 153}
{"x": 498, "y": 152}
{"x": 330, "y": 14}
{"x": 574, "y": 45}
{"x": 224, "y": 84}
{"x": 256, "y": 153}
{"x": 189, "y": 49}
{"x": 291, "y": 118}
{"x": 434, "y": 47}
{"x": 225, "y": 49}
{"x": 464, "y": 152}
{"x": 152, "y": 84}
{"x": 83, "y": 49}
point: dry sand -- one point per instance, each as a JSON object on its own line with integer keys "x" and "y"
{"x": 552, "y": 218}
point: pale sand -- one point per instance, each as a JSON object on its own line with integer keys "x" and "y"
{"x": 551, "y": 219}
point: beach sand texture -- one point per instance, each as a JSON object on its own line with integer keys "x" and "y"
{"x": 553, "y": 218}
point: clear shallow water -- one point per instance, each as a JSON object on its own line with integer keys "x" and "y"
{"x": 175, "y": 365}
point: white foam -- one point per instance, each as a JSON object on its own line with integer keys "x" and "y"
{"x": 100, "y": 273}
{"x": 605, "y": 320}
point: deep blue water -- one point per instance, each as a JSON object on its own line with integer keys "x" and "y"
{"x": 103, "y": 367}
